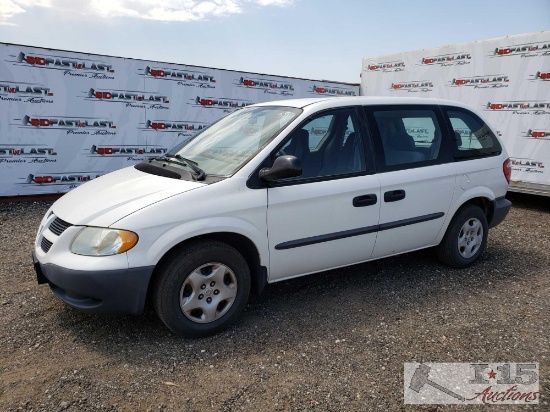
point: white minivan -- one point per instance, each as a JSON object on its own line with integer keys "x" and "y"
{"x": 271, "y": 192}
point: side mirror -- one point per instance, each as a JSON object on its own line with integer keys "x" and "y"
{"x": 283, "y": 167}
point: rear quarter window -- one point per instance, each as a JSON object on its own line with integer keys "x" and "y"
{"x": 472, "y": 136}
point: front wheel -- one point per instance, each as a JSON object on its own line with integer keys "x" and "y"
{"x": 201, "y": 289}
{"x": 465, "y": 239}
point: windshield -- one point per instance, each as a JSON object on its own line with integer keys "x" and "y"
{"x": 224, "y": 147}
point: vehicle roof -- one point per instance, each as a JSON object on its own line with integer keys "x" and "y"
{"x": 326, "y": 102}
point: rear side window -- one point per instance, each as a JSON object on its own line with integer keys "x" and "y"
{"x": 472, "y": 136}
{"x": 408, "y": 137}
{"x": 422, "y": 129}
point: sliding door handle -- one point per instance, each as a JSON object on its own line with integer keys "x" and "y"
{"x": 394, "y": 195}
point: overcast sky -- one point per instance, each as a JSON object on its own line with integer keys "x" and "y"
{"x": 317, "y": 39}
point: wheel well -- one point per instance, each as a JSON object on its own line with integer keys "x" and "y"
{"x": 244, "y": 246}
{"x": 484, "y": 204}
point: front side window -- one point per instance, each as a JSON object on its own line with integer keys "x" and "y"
{"x": 318, "y": 130}
{"x": 329, "y": 144}
{"x": 227, "y": 145}
{"x": 408, "y": 136}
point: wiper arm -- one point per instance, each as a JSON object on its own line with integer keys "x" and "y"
{"x": 193, "y": 165}
{"x": 180, "y": 157}
{"x": 184, "y": 162}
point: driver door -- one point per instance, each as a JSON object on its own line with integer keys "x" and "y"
{"x": 328, "y": 216}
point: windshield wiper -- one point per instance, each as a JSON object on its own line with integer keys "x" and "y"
{"x": 184, "y": 162}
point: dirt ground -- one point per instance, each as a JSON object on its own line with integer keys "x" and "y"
{"x": 332, "y": 341}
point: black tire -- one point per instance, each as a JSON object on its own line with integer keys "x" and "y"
{"x": 448, "y": 250}
{"x": 175, "y": 271}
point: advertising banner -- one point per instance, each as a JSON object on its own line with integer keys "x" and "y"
{"x": 68, "y": 117}
{"x": 506, "y": 79}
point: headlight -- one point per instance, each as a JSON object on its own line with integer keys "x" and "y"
{"x": 96, "y": 241}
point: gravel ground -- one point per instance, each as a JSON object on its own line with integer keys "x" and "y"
{"x": 333, "y": 341}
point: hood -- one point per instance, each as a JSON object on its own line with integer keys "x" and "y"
{"x": 109, "y": 198}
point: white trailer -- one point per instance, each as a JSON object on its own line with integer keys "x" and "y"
{"x": 506, "y": 78}
{"x": 69, "y": 117}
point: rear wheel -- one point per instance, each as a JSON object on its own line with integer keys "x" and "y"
{"x": 201, "y": 288}
{"x": 465, "y": 239}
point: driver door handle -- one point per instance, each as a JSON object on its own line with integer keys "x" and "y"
{"x": 365, "y": 200}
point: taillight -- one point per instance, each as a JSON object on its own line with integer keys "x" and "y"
{"x": 507, "y": 169}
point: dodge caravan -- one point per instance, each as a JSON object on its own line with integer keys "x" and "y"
{"x": 271, "y": 192}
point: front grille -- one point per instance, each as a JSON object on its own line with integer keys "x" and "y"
{"x": 58, "y": 226}
{"x": 45, "y": 244}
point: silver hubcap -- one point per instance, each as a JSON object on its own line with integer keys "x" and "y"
{"x": 208, "y": 292}
{"x": 470, "y": 238}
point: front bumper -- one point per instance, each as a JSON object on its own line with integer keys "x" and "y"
{"x": 501, "y": 207}
{"x": 115, "y": 292}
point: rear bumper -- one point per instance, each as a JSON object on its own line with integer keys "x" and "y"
{"x": 501, "y": 207}
{"x": 113, "y": 292}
